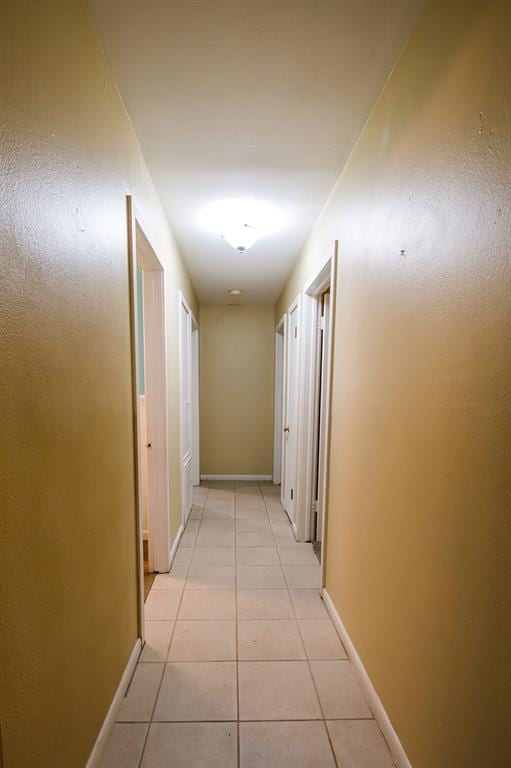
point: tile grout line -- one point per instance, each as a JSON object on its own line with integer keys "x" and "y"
{"x": 323, "y": 719}
{"x": 168, "y": 651}
{"x": 238, "y": 755}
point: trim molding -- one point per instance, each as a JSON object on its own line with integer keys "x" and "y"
{"x": 175, "y": 545}
{"x": 109, "y": 721}
{"x": 236, "y": 477}
{"x": 374, "y": 701}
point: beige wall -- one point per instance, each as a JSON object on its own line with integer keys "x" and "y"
{"x": 67, "y": 566}
{"x": 418, "y": 558}
{"x": 236, "y": 389}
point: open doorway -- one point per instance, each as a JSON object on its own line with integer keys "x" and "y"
{"x": 150, "y": 403}
{"x": 318, "y": 329}
{"x": 189, "y": 405}
{"x": 291, "y": 398}
{"x": 280, "y": 335}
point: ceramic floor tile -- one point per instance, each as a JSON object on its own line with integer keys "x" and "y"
{"x": 284, "y": 537}
{"x": 253, "y": 526}
{"x": 192, "y": 525}
{"x": 157, "y": 640}
{"x": 277, "y": 516}
{"x": 213, "y": 556}
{"x": 124, "y": 746}
{"x": 359, "y": 744}
{"x": 275, "y": 639}
{"x": 264, "y": 539}
{"x": 252, "y": 514}
{"x": 219, "y": 505}
{"x": 338, "y": 689}
{"x": 260, "y": 577}
{"x": 182, "y": 556}
{"x": 190, "y": 745}
{"x": 298, "y": 556}
{"x": 257, "y": 556}
{"x": 203, "y": 604}
{"x": 175, "y": 579}
{"x": 210, "y": 577}
{"x": 320, "y": 639}
{"x": 203, "y": 690}
{"x": 285, "y": 745}
{"x": 204, "y": 641}
{"x": 162, "y": 604}
{"x": 302, "y": 576}
{"x": 250, "y": 501}
{"x": 221, "y": 515}
{"x": 137, "y": 706}
{"x": 276, "y": 690}
{"x": 187, "y": 540}
{"x": 225, "y": 525}
{"x": 308, "y": 604}
{"x": 264, "y": 604}
{"x": 207, "y": 539}
{"x": 273, "y": 503}
{"x": 195, "y": 513}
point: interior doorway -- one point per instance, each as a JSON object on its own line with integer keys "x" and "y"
{"x": 280, "y": 346}
{"x": 188, "y": 404}
{"x": 289, "y": 485}
{"x": 150, "y": 402}
{"x": 317, "y": 350}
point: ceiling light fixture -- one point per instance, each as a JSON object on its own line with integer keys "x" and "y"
{"x": 235, "y": 292}
{"x": 241, "y": 236}
{"x": 241, "y": 222}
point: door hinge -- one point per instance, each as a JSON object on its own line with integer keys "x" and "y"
{"x": 296, "y": 331}
{"x": 321, "y": 323}
{"x": 291, "y": 494}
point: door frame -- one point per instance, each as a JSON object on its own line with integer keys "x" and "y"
{"x": 195, "y": 406}
{"x": 296, "y": 305}
{"x": 194, "y": 388}
{"x": 323, "y": 277}
{"x": 139, "y": 250}
{"x": 280, "y": 357}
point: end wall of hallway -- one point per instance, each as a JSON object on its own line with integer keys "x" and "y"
{"x": 418, "y": 561}
{"x": 68, "y": 565}
{"x": 236, "y": 389}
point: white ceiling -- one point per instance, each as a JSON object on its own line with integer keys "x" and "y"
{"x": 249, "y": 98}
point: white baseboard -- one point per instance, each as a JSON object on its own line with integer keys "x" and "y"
{"x": 109, "y": 721}
{"x": 374, "y": 701}
{"x": 255, "y": 478}
{"x": 175, "y": 545}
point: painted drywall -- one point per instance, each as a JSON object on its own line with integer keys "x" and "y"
{"x": 418, "y": 560}
{"x": 67, "y": 564}
{"x": 236, "y": 389}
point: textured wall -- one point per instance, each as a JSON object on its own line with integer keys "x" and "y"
{"x": 236, "y": 389}
{"x": 67, "y": 564}
{"x": 418, "y": 557}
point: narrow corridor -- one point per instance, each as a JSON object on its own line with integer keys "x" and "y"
{"x": 242, "y": 666}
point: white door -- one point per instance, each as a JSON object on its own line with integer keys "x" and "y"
{"x": 323, "y": 415}
{"x": 185, "y": 396}
{"x": 290, "y": 428}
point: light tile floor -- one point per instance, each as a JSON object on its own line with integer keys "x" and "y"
{"x": 242, "y": 667}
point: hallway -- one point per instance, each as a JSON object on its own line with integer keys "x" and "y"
{"x": 242, "y": 666}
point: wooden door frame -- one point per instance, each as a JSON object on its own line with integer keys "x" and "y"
{"x": 182, "y": 302}
{"x": 195, "y": 406}
{"x": 280, "y": 339}
{"x": 296, "y": 305}
{"x": 139, "y": 250}
{"x": 325, "y": 276}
